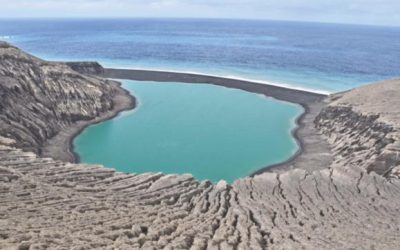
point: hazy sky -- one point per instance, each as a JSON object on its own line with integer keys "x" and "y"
{"x": 380, "y": 12}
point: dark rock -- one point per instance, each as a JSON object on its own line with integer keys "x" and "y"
{"x": 88, "y": 68}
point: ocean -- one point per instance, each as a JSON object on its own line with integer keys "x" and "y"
{"x": 211, "y": 132}
{"x": 319, "y": 57}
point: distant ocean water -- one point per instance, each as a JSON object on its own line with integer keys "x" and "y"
{"x": 324, "y": 57}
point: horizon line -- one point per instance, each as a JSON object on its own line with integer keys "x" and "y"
{"x": 194, "y": 18}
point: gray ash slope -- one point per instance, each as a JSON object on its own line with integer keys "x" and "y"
{"x": 39, "y": 98}
{"x": 43, "y": 104}
{"x": 352, "y": 203}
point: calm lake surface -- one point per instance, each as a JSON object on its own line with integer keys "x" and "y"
{"x": 209, "y": 131}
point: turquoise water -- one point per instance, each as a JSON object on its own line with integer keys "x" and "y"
{"x": 209, "y": 131}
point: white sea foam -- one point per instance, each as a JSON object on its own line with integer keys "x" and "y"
{"x": 5, "y": 37}
{"x": 232, "y": 77}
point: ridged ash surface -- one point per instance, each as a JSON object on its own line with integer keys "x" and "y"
{"x": 363, "y": 128}
{"x": 39, "y": 98}
{"x": 47, "y": 204}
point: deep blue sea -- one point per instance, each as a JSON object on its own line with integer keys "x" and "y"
{"x": 325, "y": 57}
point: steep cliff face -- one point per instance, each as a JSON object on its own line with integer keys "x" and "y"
{"x": 363, "y": 127}
{"x": 47, "y": 204}
{"x": 38, "y": 98}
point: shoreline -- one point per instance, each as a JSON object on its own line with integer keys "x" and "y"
{"x": 313, "y": 153}
{"x": 295, "y": 134}
{"x": 61, "y": 146}
{"x": 226, "y": 77}
{"x": 311, "y": 102}
{"x": 287, "y": 94}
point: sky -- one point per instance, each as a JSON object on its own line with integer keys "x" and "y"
{"x": 375, "y": 12}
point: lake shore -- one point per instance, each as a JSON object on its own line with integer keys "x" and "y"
{"x": 293, "y": 95}
{"x": 313, "y": 151}
{"x": 61, "y": 147}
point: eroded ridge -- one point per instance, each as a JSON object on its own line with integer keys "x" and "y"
{"x": 50, "y": 204}
{"x": 353, "y": 203}
{"x": 363, "y": 128}
{"x": 40, "y": 99}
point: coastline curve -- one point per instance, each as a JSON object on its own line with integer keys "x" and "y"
{"x": 311, "y": 102}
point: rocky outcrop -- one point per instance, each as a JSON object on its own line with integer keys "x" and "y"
{"x": 38, "y": 99}
{"x": 363, "y": 128}
{"x": 88, "y": 68}
{"x": 50, "y": 204}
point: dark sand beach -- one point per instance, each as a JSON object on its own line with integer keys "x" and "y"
{"x": 301, "y": 97}
{"x": 60, "y": 147}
